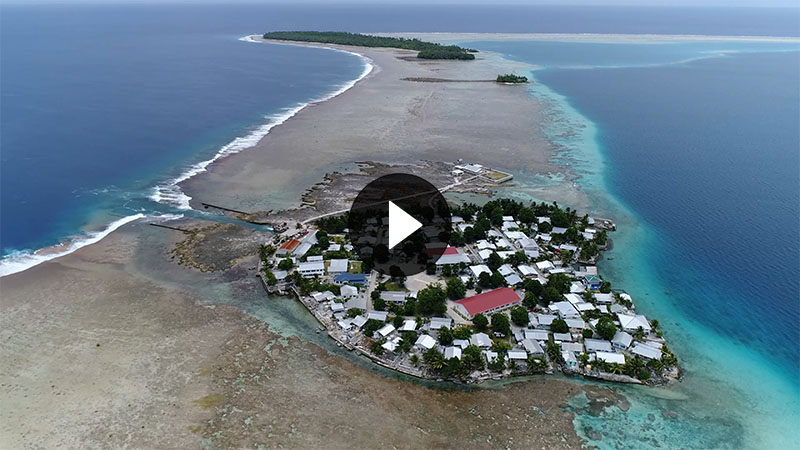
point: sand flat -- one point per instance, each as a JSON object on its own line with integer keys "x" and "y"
{"x": 388, "y": 119}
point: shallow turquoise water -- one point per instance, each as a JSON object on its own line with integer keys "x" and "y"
{"x": 666, "y": 142}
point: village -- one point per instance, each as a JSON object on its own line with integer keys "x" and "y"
{"x": 516, "y": 292}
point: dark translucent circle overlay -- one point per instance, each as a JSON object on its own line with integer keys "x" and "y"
{"x": 369, "y": 223}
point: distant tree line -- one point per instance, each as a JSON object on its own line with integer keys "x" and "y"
{"x": 427, "y": 50}
{"x": 511, "y": 78}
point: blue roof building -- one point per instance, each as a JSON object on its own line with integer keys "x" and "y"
{"x": 350, "y": 278}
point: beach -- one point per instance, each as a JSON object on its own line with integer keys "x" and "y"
{"x": 116, "y": 345}
{"x": 389, "y": 119}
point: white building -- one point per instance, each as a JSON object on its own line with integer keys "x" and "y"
{"x": 311, "y": 269}
{"x": 645, "y": 351}
{"x": 440, "y": 322}
{"x": 632, "y": 323}
{"x": 479, "y": 269}
{"x": 481, "y": 340}
{"x": 425, "y": 342}
{"x": 597, "y": 345}
{"x": 452, "y": 352}
{"x": 612, "y": 358}
{"x": 621, "y": 340}
{"x": 337, "y": 266}
{"x": 386, "y": 330}
{"x": 349, "y": 291}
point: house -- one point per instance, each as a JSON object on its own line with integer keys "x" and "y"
{"x": 356, "y": 301}
{"x": 597, "y": 345}
{"x": 545, "y": 266}
{"x": 573, "y": 298}
{"x": 311, "y": 269}
{"x": 390, "y": 346}
{"x": 584, "y": 306}
{"x": 479, "y": 269}
{"x": 462, "y": 227}
{"x": 505, "y": 254}
{"x": 485, "y": 254}
{"x": 359, "y": 321}
{"x": 502, "y": 243}
{"x": 546, "y": 319}
{"x": 569, "y": 358}
{"x": 333, "y": 247}
{"x": 542, "y": 219}
{"x": 337, "y": 307}
{"x": 452, "y": 255}
{"x": 564, "y": 309}
{"x": 396, "y": 297}
{"x": 568, "y": 248}
{"x": 349, "y": 291}
{"x": 532, "y": 347}
{"x": 611, "y": 358}
{"x": 513, "y": 280}
{"x": 526, "y": 270}
{"x": 490, "y": 355}
{"x": 488, "y": 302}
{"x": 645, "y": 351}
{"x": 576, "y": 287}
{"x": 323, "y": 296}
{"x": 633, "y": 323}
{"x": 544, "y": 237}
{"x": 481, "y": 340}
{"x": 517, "y": 355}
{"x": 536, "y": 335}
{"x": 621, "y": 340}
{"x": 562, "y": 337}
{"x": 505, "y": 270}
{"x": 440, "y": 322}
{"x": 516, "y": 235}
{"x": 463, "y": 343}
{"x": 425, "y": 342}
{"x": 592, "y": 282}
{"x": 386, "y": 330}
{"x": 350, "y": 278}
{"x": 483, "y": 244}
{"x": 309, "y": 241}
{"x": 452, "y": 352}
{"x": 314, "y": 258}
{"x": 378, "y": 315}
{"x": 573, "y": 347}
{"x": 280, "y": 275}
{"x": 474, "y": 169}
{"x": 409, "y": 325}
{"x": 558, "y": 230}
{"x": 575, "y": 323}
{"x": 508, "y": 218}
{"x": 603, "y": 299}
{"x": 337, "y": 266}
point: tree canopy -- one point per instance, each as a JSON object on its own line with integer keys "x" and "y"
{"x": 427, "y": 50}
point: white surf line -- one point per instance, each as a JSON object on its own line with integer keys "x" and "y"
{"x": 170, "y": 192}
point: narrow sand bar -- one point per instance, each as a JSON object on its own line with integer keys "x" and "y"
{"x": 388, "y": 119}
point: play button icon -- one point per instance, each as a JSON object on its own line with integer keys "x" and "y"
{"x": 399, "y": 222}
{"x": 401, "y": 225}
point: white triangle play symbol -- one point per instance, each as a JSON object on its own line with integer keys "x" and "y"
{"x": 401, "y": 225}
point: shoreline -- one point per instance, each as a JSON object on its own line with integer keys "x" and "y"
{"x": 169, "y": 192}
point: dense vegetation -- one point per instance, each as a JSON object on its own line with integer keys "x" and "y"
{"x": 511, "y": 78}
{"x": 427, "y": 50}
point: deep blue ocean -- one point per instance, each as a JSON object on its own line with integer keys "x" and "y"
{"x": 691, "y": 146}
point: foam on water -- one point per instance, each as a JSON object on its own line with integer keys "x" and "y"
{"x": 171, "y": 193}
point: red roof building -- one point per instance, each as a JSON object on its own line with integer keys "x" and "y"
{"x": 287, "y": 247}
{"x": 488, "y": 302}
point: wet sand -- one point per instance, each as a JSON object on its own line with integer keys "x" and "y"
{"x": 385, "y": 118}
{"x": 114, "y": 346}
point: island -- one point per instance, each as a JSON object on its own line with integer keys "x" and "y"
{"x": 426, "y": 50}
{"x": 511, "y": 78}
{"x": 516, "y": 292}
